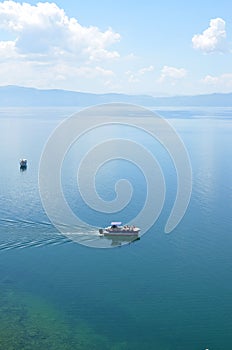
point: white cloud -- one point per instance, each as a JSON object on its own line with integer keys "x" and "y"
{"x": 209, "y": 79}
{"x": 172, "y": 73}
{"x": 132, "y": 78}
{"x": 45, "y": 30}
{"x": 145, "y": 70}
{"x": 48, "y": 75}
{"x": 49, "y": 49}
{"x": 7, "y": 50}
{"x": 135, "y": 77}
{"x": 213, "y": 39}
{"x": 222, "y": 82}
{"x": 92, "y": 72}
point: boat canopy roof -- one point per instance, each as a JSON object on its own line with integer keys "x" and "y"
{"x": 116, "y": 223}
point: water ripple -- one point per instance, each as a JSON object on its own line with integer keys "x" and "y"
{"x": 26, "y": 238}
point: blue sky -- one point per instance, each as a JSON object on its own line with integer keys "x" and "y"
{"x": 159, "y": 48}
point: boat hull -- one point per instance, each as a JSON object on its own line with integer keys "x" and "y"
{"x": 123, "y": 234}
{"x": 119, "y": 233}
{"x": 23, "y": 164}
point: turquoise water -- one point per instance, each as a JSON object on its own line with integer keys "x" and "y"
{"x": 163, "y": 292}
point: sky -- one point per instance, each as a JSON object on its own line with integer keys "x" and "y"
{"x": 160, "y": 48}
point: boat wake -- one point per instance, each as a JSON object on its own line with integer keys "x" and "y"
{"x": 22, "y": 234}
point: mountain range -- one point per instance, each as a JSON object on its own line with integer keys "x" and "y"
{"x": 17, "y": 96}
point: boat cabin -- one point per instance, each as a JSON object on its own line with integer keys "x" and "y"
{"x": 115, "y": 225}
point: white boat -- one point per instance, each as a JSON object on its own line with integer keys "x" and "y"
{"x": 116, "y": 229}
{"x": 23, "y": 163}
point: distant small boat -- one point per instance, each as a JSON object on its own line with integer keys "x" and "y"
{"x": 116, "y": 229}
{"x": 23, "y": 163}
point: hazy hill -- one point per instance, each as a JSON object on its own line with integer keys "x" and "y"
{"x": 21, "y": 96}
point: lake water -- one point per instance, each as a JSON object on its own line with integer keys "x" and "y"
{"x": 163, "y": 292}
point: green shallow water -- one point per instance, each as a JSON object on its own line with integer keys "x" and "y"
{"x": 29, "y": 322}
